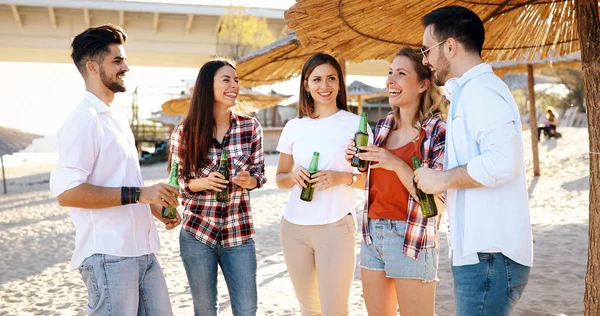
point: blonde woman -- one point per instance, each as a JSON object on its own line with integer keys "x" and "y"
{"x": 399, "y": 253}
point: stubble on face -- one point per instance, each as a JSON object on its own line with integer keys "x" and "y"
{"x": 112, "y": 84}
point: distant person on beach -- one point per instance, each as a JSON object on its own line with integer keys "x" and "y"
{"x": 400, "y": 248}
{"x": 317, "y": 237}
{"x": 218, "y": 232}
{"x": 549, "y": 127}
{"x": 98, "y": 175}
{"x": 484, "y": 174}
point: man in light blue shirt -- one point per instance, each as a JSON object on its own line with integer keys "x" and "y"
{"x": 484, "y": 172}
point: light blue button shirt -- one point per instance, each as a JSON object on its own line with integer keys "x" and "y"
{"x": 484, "y": 133}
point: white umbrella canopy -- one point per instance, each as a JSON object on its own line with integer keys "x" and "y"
{"x": 12, "y": 141}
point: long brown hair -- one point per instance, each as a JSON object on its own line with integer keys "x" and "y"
{"x": 430, "y": 102}
{"x": 306, "y": 105}
{"x": 199, "y": 124}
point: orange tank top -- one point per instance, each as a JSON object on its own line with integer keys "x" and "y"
{"x": 388, "y": 198}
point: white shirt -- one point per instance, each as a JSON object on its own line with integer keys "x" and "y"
{"x": 484, "y": 133}
{"x": 96, "y": 146}
{"x": 329, "y": 136}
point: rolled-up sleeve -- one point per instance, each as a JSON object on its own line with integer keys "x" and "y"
{"x": 257, "y": 156}
{"x": 78, "y": 142}
{"x": 493, "y": 126}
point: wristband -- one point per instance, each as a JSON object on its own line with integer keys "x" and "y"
{"x": 130, "y": 195}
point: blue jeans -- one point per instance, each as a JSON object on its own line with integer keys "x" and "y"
{"x": 239, "y": 269}
{"x": 491, "y": 287}
{"x": 125, "y": 285}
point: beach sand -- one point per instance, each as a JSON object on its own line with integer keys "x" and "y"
{"x": 37, "y": 239}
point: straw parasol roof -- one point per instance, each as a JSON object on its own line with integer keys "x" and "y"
{"x": 276, "y": 62}
{"x": 162, "y": 117}
{"x": 572, "y": 60}
{"x": 359, "y": 91}
{"x": 12, "y": 141}
{"x": 362, "y": 30}
{"x": 248, "y": 101}
{"x": 359, "y": 88}
{"x": 519, "y": 81}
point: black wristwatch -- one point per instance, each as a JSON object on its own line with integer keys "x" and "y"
{"x": 136, "y": 194}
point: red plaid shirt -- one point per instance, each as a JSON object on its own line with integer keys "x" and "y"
{"x": 420, "y": 232}
{"x": 210, "y": 221}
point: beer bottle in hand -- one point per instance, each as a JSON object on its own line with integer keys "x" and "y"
{"x": 361, "y": 138}
{"x": 427, "y": 201}
{"x": 223, "y": 196}
{"x": 307, "y": 193}
{"x": 171, "y": 211}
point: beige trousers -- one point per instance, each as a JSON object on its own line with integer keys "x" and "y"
{"x": 320, "y": 261}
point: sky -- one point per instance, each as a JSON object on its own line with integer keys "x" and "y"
{"x": 37, "y": 97}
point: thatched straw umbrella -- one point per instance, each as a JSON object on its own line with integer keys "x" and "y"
{"x": 248, "y": 101}
{"x": 276, "y": 62}
{"x": 572, "y": 60}
{"x": 519, "y": 30}
{"x": 360, "y": 91}
{"x": 12, "y": 141}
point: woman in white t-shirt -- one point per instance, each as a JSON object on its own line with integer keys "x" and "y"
{"x": 317, "y": 237}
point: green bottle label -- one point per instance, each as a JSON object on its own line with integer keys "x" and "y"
{"x": 426, "y": 201}
{"x": 308, "y": 192}
{"x": 171, "y": 211}
{"x": 223, "y": 196}
{"x": 361, "y": 138}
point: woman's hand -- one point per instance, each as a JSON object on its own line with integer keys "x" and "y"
{"x": 326, "y": 179}
{"x": 299, "y": 175}
{"x": 245, "y": 180}
{"x": 384, "y": 158}
{"x": 351, "y": 150}
{"x": 215, "y": 182}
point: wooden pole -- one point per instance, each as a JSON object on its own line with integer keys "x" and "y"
{"x": 588, "y": 26}
{"x": 274, "y": 117}
{"x": 533, "y": 122}
{"x": 3, "y": 175}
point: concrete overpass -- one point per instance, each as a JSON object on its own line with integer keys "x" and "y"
{"x": 160, "y": 34}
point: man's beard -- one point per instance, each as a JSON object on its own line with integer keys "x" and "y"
{"x": 442, "y": 71}
{"x": 112, "y": 85}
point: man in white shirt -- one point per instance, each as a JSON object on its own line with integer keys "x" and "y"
{"x": 98, "y": 175}
{"x": 484, "y": 172}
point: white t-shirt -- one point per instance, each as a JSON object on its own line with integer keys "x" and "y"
{"x": 329, "y": 136}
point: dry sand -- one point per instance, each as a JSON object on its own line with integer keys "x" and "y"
{"x": 37, "y": 237}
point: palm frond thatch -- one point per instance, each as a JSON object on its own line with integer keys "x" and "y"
{"x": 364, "y": 30}
{"x": 276, "y": 62}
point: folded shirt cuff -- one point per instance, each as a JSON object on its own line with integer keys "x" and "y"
{"x": 477, "y": 172}
{"x": 64, "y": 179}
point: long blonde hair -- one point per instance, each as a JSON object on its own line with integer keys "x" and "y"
{"x": 431, "y": 99}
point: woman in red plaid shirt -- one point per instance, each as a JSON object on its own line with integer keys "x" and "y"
{"x": 218, "y": 233}
{"x": 399, "y": 253}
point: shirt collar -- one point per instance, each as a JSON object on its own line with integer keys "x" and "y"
{"x": 95, "y": 102}
{"x": 454, "y": 83}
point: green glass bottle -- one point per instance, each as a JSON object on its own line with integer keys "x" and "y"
{"x": 223, "y": 196}
{"x": 171, "y": 211}
{"x": 361, "y": 138}
{"x": 307, "y": 193}
{"x": 427, "y": 201}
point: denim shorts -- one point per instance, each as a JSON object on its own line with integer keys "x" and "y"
{"x": 385, "y": 253}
